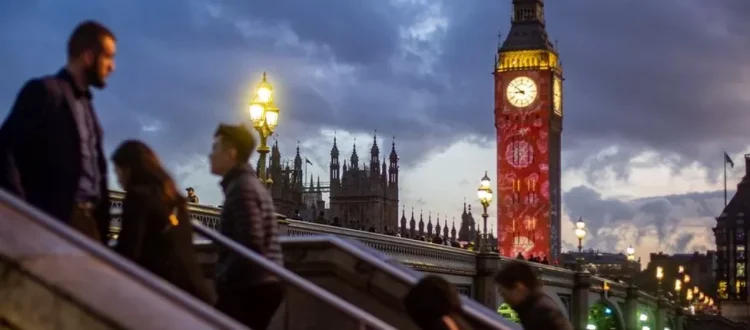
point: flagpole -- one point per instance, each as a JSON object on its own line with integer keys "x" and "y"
{"x": 725, "y": 179}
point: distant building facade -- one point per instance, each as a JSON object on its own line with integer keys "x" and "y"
{"x": 287, "y": 186}
{"x": 732, "y": 244}
{"x": 362, "y": 195}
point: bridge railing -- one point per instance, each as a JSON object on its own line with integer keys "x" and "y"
{"x": 417, "y": 254}
{"x": 54, "y": 277}
{"x": 392, "y": 274}
{"x": 362, "y": 319}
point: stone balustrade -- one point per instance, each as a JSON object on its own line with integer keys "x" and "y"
{"x": 576, "y": 293}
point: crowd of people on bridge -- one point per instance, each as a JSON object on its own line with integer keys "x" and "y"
{"x": 52, "y": 156}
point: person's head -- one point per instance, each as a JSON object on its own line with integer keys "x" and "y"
{"x": 91, "y": 50}
{"x": 516, "y": 281}
{"x": 430, "y": 300}
{"x": 190, "y": 191}
{"x": 136, "y": 164}
{"x": 232, "y": 147}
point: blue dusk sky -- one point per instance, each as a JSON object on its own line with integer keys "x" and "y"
{"x": 654, "y": 91}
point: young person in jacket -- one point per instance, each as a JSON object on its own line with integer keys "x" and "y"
{"x": 519, "y": 286}
{"x": 156, "y": 230}
{"x": 246, "y": 291}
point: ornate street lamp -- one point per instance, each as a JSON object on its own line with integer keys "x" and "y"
{"x": 484, "y": 192}
{"x": 659, "y": 277}
{"x": 580, "y": 233}
{"x": 265, "y": 117}
{"x": 630, "y": 251}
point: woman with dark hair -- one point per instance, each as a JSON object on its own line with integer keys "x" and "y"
{"x": 156, "y": 230}
{"x": 433, "y": 304}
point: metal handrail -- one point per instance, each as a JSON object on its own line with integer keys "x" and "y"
{"x": 365, "y": 319}
{"x": 407, "y": 276}
{"x": 112, "y": 259}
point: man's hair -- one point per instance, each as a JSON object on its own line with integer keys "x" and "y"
{"x": 239, "y": 138}
{"x": 517, "y": 272}
{"x": 87, "y": 36}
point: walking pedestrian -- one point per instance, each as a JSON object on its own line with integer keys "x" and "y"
{"x": 433, "y": 304}
{"x": 247, "y": 292}
{"x": 520, "y": 288}
{"x": 51, "y": 152}
{"x": 156, "y": 230}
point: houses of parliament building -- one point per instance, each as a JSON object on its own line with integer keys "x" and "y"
{"x": 363, "y": 195}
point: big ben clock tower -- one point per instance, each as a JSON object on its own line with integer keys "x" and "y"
{"x": 528, "y": 119}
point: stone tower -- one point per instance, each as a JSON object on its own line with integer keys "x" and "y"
{"x": 528, "y": 119}
{"x": 287, "y": 187}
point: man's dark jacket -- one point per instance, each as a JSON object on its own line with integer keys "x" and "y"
{"x": 248, "y": 218}
{"x": 40, "y": 150}
{"x": 539, "y": 312}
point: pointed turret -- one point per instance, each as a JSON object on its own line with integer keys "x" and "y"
{"x": 421, "y": 225}
{"x": 404, "y": 229}
{"x": 393, "y": 169}
{"x": 298, "y": 179}
{"x": 375, "y": 154}
{"x": 472, "y": 226}
{"x": 527, "y": 30}
{"x": 412, "y": 225}
{"x": 354, "y": 161}
{"x": 445, "y": 231}
{"x": 429, "y": 225}
{"x": 438, "y": 229}
{"x": 334, "y": 167}
{"x": 453, "y": 230}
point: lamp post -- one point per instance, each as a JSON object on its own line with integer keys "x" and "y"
{"x": 484, "y": 192}
{"x": 659, "y": 277}
{"x": 630, "y": 251}
{"x": 265, "y": 117}
{"x": 580, "y": 233}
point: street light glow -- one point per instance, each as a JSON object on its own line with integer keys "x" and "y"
{"x": 484, "y": 192}
{"x": 256, "y": 113}
{"x": 265, "y": 118}
{"x": 264, "y": 90}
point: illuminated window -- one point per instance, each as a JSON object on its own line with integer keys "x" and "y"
{"x": 722, "y": 290}
{"x": 740, "y": 269}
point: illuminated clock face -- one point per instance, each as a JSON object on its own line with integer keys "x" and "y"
{"x": 521, "y": 92}
{"x": 557, "y": 96}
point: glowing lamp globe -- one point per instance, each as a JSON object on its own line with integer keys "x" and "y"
{"x": 272, "y": 118}
{"x": 257, "y": 111}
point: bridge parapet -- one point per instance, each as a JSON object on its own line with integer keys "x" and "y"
{"x": 627, "y": 302}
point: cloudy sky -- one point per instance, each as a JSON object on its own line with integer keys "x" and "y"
{"x": 655, "y": 90}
